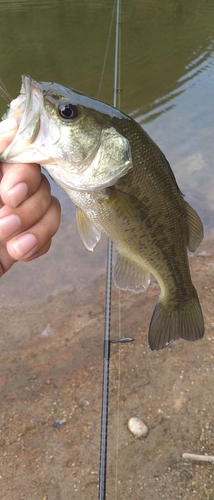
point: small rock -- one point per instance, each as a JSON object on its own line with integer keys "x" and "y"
{"x": 57, "y": 423}
{"x": 47, "y": 331}
{"x": 137, "y": 427}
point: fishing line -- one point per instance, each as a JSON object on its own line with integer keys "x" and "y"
{"x": 4, "y": 93}
{"x": 107, "y": 49}
{"x": 107, "y": 340}
{"x": 107, "y": 343}
{"x": 117, "y": 57}
{"x": 118, "y": 398}
{"x": 117, "y": 87}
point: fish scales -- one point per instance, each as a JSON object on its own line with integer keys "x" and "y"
{"x": 165, "y": 206}
{"x": 150, "y": 237}
{"x": 122, "y": 186}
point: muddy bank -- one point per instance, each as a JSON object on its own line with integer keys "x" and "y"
{"x": 50, "y": 393}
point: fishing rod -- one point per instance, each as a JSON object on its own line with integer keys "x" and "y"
{"x": 107, "y": 328}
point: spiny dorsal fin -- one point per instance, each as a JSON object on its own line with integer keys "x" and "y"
{"x": 128, "y": 275}
{"x": 195, "y": 227}
{"x": 89, "y": 234}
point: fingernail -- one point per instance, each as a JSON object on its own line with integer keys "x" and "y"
{"x": 25, "y": 245}
{"x": 8, "y": 125}
{"x": 9, "y": 225}
{"x": 17, "y": 194}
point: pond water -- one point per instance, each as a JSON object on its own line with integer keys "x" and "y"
{"x": 167, "y": 80}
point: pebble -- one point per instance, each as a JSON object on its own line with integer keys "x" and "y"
{"x": 137, "y": 427}
{"x": 57, "y": 423}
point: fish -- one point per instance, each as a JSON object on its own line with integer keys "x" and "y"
{"x": 123, "y": 187}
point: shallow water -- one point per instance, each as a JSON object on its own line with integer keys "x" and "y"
{"x": 167, "y": 80}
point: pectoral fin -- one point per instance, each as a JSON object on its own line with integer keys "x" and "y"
{"x": 195, "y": 226}
{"x": 89, "y": 234}
{"x": 128, "y": 275}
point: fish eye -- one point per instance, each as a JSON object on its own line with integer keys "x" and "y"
{"x": 68, "y": 111}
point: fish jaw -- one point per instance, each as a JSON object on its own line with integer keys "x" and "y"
{"x": 84, "y": 154}
{"x": 35, "y": 134}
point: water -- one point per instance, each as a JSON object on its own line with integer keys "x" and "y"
{"x": 167, "y": 77}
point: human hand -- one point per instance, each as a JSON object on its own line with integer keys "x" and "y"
{"x": 29, "y": 215}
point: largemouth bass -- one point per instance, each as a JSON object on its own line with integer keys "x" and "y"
{"x": 122, "y": 186}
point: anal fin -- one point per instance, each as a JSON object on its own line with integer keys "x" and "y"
{"x": 128, "y": 275}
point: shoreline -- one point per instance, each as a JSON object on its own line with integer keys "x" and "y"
{"x": 51, "y": 371}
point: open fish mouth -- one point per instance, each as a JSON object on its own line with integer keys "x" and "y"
{"x": 26, "y": 110}
{"x": 33, "y": 125}
{"x": 25, "y": 106}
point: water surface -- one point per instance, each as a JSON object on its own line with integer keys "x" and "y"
{"x": 167, "y": 80}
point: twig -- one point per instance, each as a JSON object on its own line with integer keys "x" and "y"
{"x": 200, "y": 458}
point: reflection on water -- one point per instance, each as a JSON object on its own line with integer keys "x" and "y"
{"x": 203, "y": 63}
{"x": 167, "y": 77}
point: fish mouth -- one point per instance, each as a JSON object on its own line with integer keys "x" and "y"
{"x": 33, "y": 126}
{"x": 26, "y": 111}
{"x": 27, "y": 104}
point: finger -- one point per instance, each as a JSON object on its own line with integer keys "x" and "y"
{"x": 35, "y": 242}
{"x": 43, "y": 250}
{"x": 6, "y": 261}
{"x": 19, "y": 182}
{"x": 27, "y": 214}
{"x": 8, "y": 128}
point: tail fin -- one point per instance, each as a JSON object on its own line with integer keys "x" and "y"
{"x": 169, "y": 324}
